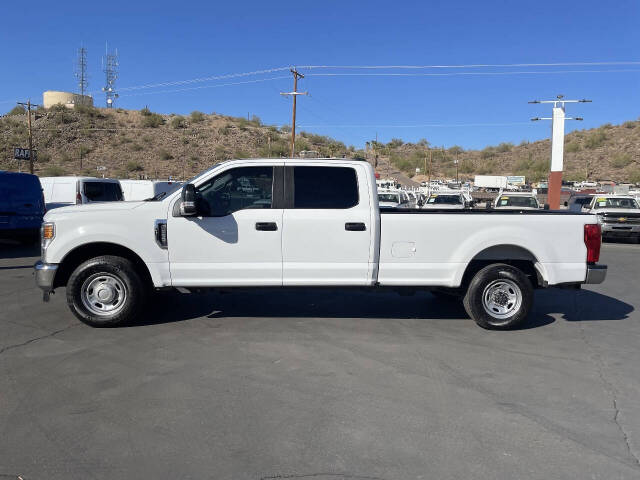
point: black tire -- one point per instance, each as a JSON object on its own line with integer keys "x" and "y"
{"x": 117, "y": 277}
{"x": 499, "y": 297}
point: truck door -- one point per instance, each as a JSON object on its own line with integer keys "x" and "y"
{"x": 328, "y": 223}
{"x": 236, "y": 237}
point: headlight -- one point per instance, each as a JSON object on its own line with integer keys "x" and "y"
{"x": 47, "y": 234}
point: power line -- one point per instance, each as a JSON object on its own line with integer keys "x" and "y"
{"x": 347, "y": 67}
{"x": 452, "y": 74}
{"x": 205, "y": 86}
{"x": 477, "y": 65}
{"x": 203, "y": 79}
{"x": 423, "y": 125}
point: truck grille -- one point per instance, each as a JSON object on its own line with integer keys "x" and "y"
{"x": 621, "y": 218}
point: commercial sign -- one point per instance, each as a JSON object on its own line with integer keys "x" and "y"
{"x": 516, "y": 180}
{"x": 24, "y": 154}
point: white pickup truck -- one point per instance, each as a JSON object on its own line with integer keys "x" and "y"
{"x": 307, "y": 223}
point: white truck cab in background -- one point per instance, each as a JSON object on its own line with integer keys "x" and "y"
{"x": 308, "y": 223}
{"x": 143, "y": 189}
{"x": 516, "y": 201}
{"x": 65, "y": 191}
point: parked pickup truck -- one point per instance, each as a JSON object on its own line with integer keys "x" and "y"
{"x": 307, "y": 223}
{"x": 619, "y": 216}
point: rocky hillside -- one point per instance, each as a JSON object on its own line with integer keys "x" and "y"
{"x": 611, "y": 152}
{"x": 133, "y": 144}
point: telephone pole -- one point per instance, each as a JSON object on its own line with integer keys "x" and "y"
{"x": 294, "y": 94}
{"x": 28, "y": 104}
{"x": 558, "y": 117}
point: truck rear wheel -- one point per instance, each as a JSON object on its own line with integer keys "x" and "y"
{"x": 499, "y": 297}
{"x": 106, "y": 291}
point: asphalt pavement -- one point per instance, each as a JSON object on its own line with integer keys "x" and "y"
{"x": 325, "y": 384}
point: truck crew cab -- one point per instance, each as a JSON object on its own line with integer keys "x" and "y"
{"x": 307, "y": 223}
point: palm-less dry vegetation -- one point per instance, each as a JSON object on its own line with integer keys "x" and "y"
{"x": 132, "y": 144}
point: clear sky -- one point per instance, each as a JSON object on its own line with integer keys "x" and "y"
{"x": 160, "y": 42}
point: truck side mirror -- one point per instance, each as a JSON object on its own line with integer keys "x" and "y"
{"x": 546, "y": 206}
{"x": 188, "y": 205}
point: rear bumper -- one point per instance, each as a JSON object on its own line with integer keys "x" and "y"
{"x": 45, "y": 275}
{"x": 596, "y": 274}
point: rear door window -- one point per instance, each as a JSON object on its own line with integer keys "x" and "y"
{"x": 102, "y": 191}
{"x": 325, "y": 187}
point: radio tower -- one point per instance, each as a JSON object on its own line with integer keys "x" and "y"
{"x": 110, "y": 69}
{"x": 81, "y": 71}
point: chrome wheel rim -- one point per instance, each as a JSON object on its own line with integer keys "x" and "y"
{"x": 502, "y": 298}
{"x": 103, "y": 294}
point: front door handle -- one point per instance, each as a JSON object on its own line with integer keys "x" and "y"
{"x": 266, "y": 226}
{"x": 355, "y": 226}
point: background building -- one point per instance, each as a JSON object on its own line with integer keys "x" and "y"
{"x": 68, "y": 99}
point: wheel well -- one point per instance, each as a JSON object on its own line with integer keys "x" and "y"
{"x": 513, "y": 255}
{"x": 80, "y": 254}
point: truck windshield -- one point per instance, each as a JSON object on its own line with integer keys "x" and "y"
{"x": 389, "y": 197}
{"x": 444, "y": 200}
{"x": 625, "y": 202}
{"x": 511, "y": 201}
{"x": 103, "y": 191}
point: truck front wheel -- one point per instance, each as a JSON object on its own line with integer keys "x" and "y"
{"x": 106, "y": 291}
{"x": 499, "y": 297}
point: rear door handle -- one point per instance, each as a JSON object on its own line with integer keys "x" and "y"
{"x": 266, "y": 226}
{"x": 355, "y": 226}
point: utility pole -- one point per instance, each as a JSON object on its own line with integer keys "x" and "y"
{"x": 557, "y": 146}
{"x": 375, "y": 151}
{"x": 28, "y": 104}
{"x": 294, "y": 94}
{"x": 456, "y": 162}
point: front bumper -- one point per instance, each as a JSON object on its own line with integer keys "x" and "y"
{"x": 620, "y": 230}
{"x": 596, "y": 274}
{"x": 45, "y": 275}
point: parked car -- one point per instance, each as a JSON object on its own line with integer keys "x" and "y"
{"x": 314, "y": 223}
{"x": 618, "y": 215}
{"x": 578, "y": 202}
{"x": 21, "y": 206}
{"x": 516, "y": 201}
{"x": 446, "y": 201}
{"x": 394, "y": 199}
{"x": 143, "y": 189}
{"x": 65, "y": 191}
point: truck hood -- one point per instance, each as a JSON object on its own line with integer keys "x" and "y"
{"x": 598, "y": 211}
{"x": 388, "y": 205}
{"x": 442, "y": 207}
{"x": 93, "y": 208}
{"x": 516, "y": 208}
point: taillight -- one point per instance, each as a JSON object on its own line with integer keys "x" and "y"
{"x": 78, "y": 198}
{"x": 593, "y": 239}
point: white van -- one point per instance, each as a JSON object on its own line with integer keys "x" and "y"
{"x": 65, "y": 191}
{"x": 142, "y": 189}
